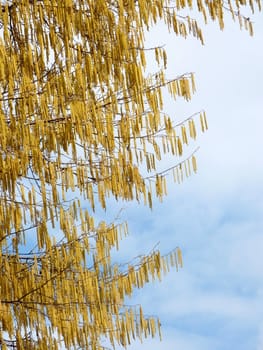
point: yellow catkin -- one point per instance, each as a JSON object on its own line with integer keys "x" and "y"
{"x": 179, "y": 257}
{"x": 179, "y": 146}
{"x": 194, "y": 164}
{"x": 205, "y": 121}
{"x": 202, "y": 122}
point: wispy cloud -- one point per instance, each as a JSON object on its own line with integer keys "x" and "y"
{"x": 216, "y": 301}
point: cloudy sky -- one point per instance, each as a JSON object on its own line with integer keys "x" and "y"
{"x": 216, "y": 217}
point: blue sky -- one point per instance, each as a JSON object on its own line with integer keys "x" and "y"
{"x": 216, "y": 217}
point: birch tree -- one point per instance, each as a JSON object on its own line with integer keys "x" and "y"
{"x": 82, "y": 122}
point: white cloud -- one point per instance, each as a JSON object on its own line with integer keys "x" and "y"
{"x": 177, "y": 340}
{"x": 216, "y": 301}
